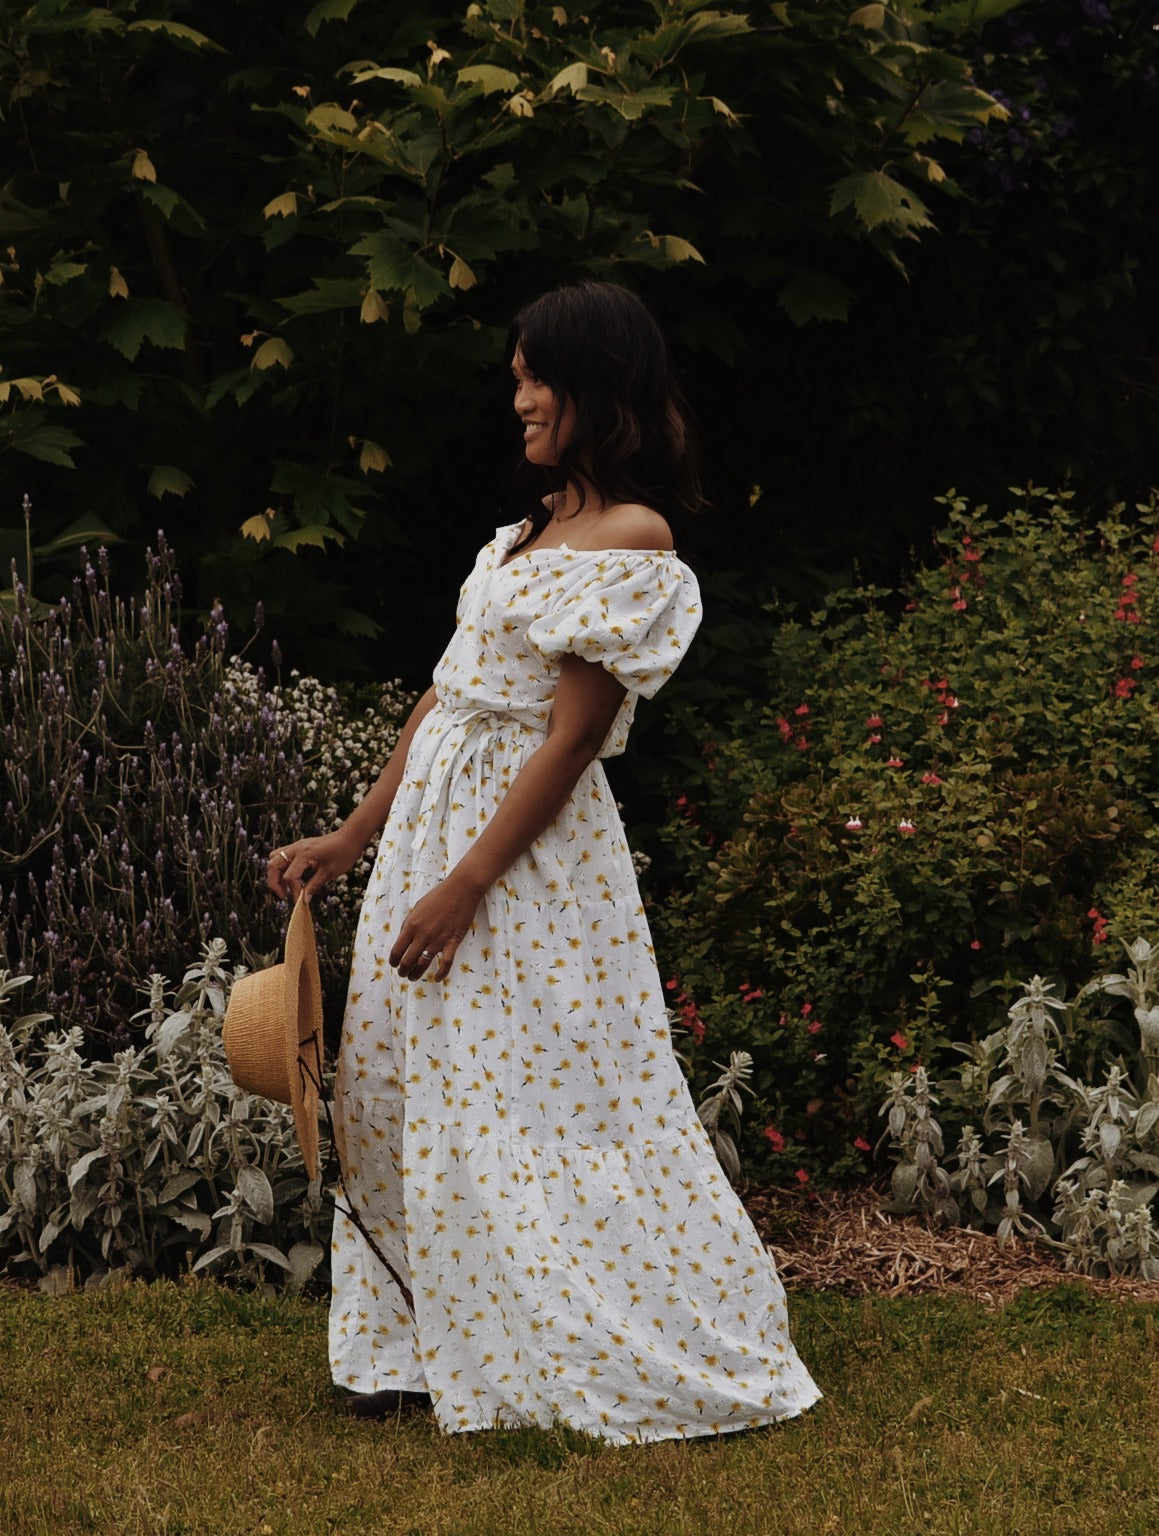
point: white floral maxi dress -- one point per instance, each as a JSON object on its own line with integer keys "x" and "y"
{"x": 520, "y": 1139}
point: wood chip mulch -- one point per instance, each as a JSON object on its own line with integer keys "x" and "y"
{"x": 846, "y": 1242}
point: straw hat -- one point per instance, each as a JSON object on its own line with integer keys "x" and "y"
{"x": 273, "y": 1032}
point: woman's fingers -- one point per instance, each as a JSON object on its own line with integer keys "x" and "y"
{"x": 293, "y": 868}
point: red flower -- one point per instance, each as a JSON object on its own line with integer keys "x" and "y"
{"x": 1124, "y": 688}
{"x": 801, "y": 709}
{"x": 894, "y": 762}
{"x": 906, "y": 827}
{"x": 672, "y": 985}
{"x": 801, "y": 1176}
{"x": 784, "y": 727}
{"x": 930, "y": 778}
{"x": 898, "y": 1039}
{"x": 1136, "y": 663}
{"x": 972, "y": 554}
{"x": 815, "y": 1027}
{"x": 775, "y": 1137}
{"x": 754, "y": 994}
{"x": 960, "y": 606}
{"x": 854, "y": 824}
{"x": 873, "y": 722}
{"x": 975, "y": 943}
{"x": 806, "y": 1010}
{"x": 861, "y": 1144}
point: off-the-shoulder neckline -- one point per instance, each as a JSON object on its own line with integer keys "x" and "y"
{"x": 506, "y": 558}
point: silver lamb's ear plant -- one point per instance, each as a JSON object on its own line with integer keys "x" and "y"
{"x": 919, "y": 1182}
{"x": 723, "y": 1102}
{"x": 153, "y": 1162}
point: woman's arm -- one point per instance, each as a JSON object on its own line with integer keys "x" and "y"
{"x": 309, "y": 863}
{"x": 587, "y": 700}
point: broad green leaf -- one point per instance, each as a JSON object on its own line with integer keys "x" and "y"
{"x": 88, "y": 529}
{"x": 118, "y": 287}
{"x": 143, "y": 168}
{"x": 174, "y": 209}
{"x": 328, "y": 10}
{"x": 330, "y": 115}
{"x": 814, "y": 296}
{"x": 257, "y": 527}
{"x": 178, "y": 31}
{"x": 274, "y": 352}
{"x": 629, "y": 104}
{"x": 676, "y": 249}
{"x": 63, "y": 272}
{"x": 281, "y": 207}
{"x": 314, "y": 536}
{"x": 400, "y": 76}
{"x": 392, "y": 266}
{"x": 879, "y": 200}
{"x": 573, "y": 77}
{"x": 168, "y": 480}
{"x": 43, "y": 440}
{"x": 461, "y": 275}
{"x": 373, "y": 458}
{"x": 970, "y": 13}
{"x": 135, "y": 321}
{"x": 327, "y": 295}
{"x": 489, "y": 78}
{"x": 374, "y": 308}
{"x": 872, "y": 17}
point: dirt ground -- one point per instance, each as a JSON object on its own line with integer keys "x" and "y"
{"x": 845, "y": 1241}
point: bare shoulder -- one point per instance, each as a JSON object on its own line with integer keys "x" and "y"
{"x": 628, "y": 525}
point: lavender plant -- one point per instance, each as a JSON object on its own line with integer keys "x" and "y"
{"x": 144, "y": 781}
{"x": 151, "y": 1163}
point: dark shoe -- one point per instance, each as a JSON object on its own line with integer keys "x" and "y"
{"x": 382, "y": 1405}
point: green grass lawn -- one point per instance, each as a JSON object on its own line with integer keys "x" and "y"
{"x": 197, "y": 1411}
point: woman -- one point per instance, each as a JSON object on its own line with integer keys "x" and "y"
{"x": 513, "y": 1123}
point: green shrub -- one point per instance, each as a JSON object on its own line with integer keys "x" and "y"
{"x": 151, "y": 1163}
{"x": 1058, "y": 1155}
{"x": 144, "y": 782}
{"x": 946, "y": 788}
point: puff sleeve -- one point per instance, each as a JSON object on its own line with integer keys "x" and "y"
{"x": 634, "y": 612}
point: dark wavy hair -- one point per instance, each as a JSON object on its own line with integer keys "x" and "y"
{"x": 599, "y": 345}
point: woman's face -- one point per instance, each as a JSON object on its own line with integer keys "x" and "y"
{"x": 547, "y": 425}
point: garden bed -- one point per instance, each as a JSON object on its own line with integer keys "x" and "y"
{"x": 844, "y": 1241}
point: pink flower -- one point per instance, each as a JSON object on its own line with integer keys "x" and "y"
{"x": 806, "y": 1010}
{"x": 802, "y": 744}
{"x": 1136, "y": 663}
{"x": 754, "y": 994}
{"x": 1099, "y": 936}
{"x": 898, "y": 1039}
{"x": 930, "y": 778}
{"x": 944, "y": 718}
{"x": 784, "y": 727}
{"x": 972, "y": 554}
{"x": 801, "y": 709}
{"x": 873, "y": 722}
{"x": 894, "y": 762}
{"x": 815, "y": 1026}
{"x": 1155, "y": 547}
{"x": 854, "y": 824}
{"x": 906, "y": 827}
{"x": 861, "y": 1144}
{"x": 873, "y": 740}
{"x": 1130, "y": 579}
{"x": 960, "y": 606}
{"x": 775, "y": 1138}
{"x": 801, "y": 1176}
{"x": 975, "y": 943}
{"x": 1124, "y": 688}
{"x": 672, "y": 985}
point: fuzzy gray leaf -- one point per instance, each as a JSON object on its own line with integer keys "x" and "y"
{"x": 271, "y": 1254}
{"x": 170, "y": 1032}
{"x": 254, "y": 1188}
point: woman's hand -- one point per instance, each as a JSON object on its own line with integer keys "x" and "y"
{"x": 307, "y": 865}
{"x": 434, "y": 928}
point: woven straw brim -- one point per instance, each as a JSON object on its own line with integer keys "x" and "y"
{"x": 273, "y": 1033}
